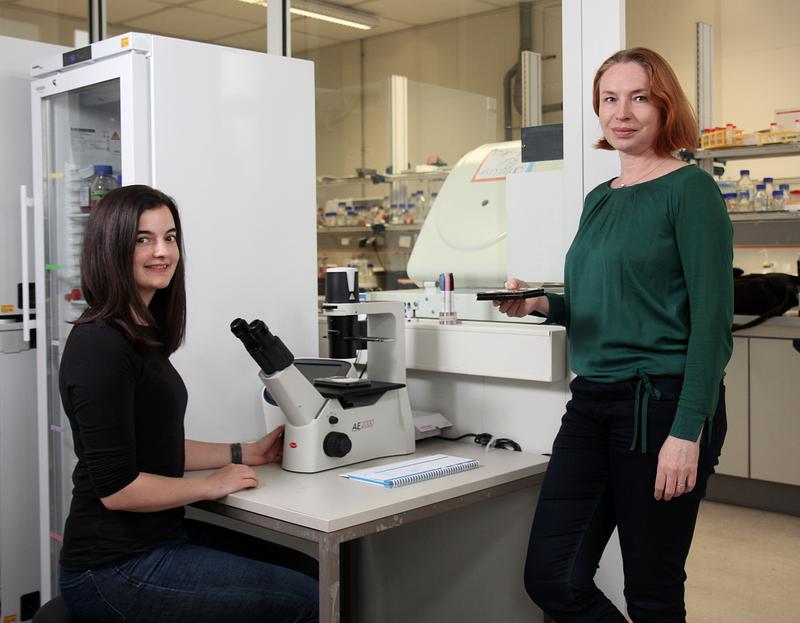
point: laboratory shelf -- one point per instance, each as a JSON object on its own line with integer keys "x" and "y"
{"x": 361, "y": 229}
{"x": 758, "y": 229}
{"x": 766, "y": 229}
{"x": 776, "y": 215}
{"x": 383, "y": 178}
{"x": 749, "y": 153}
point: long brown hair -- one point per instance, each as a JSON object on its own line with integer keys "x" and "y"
{"x": 107, "y": 270}
{"x": 678, "y": 123}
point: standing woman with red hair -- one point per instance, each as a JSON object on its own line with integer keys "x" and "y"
{"x": 648, "y": 306}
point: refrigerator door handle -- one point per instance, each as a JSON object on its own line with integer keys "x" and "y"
{"x": 25, "y": 203}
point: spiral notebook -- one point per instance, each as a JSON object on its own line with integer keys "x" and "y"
{"x": 414, "y": 470}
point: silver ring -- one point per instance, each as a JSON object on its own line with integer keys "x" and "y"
{"x": 682, "y": 486}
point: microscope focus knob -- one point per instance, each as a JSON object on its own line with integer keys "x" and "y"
{"x": 337, "y": 445}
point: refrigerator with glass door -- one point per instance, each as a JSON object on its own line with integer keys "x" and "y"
{"x": 19, "y": 505}
{"x": 229, "y": 134}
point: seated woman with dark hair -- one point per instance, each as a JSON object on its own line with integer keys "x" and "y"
{"x": 126, "y": 556}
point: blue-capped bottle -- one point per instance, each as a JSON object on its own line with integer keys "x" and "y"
{"x": 730, "y": 202}
{"x": 785, "y": 189}
{"x": 769, "y": 182}
{"x": 341, "y": 214}
{"x": 777, "y": 200}
{"x": 745, "y": 185}
{"x": 744, "y": 204}
{"x": 410, "y": 215}
{"x": 761, "y": 201}
{"x": 103, "y": 183}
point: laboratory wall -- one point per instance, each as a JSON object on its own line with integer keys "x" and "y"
{"x": 755, "y": 60}
{"x": 669, "y": 28}
{"x": 35, "y": 25}
{"x": 760, "y": 52}
{"x": 757, "y": 260}
{"x": 470, "y": 54}
{"x": 756, "y": 50}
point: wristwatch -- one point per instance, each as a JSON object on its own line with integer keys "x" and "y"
{"x": 236, "y": 453}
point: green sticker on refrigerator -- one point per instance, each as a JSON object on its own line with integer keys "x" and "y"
{"x": 52, "y": 267}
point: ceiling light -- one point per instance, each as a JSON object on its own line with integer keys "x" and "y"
{"x": 333, "y": 20}
{"x": 327, "y": 12}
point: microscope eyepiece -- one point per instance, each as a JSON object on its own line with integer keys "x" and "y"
{"x": 269, "y": 351}
{"x": 239, "y": 326}
{"x": 259, "y": 330}
{"x": 240, "y": 329}
{"x": 261, "y": 334}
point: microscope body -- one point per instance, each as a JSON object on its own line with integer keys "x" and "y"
{"x": 372, "y": 422}
{"x": 347, "y": 428}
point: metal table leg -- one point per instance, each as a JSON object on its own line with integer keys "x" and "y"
{"x": 329, "y": 579}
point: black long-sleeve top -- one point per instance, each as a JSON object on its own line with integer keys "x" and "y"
{"x": 126, "y": 406}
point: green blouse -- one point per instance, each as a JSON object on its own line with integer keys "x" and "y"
{"x": 648, "y": 290}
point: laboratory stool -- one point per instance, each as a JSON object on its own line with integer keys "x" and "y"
{"x": 54, "y": 611}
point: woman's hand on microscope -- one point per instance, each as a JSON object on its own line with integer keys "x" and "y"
{"x": 268, "y": 449}
{"x": 522, "y": 307}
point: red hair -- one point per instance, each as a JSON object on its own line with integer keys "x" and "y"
{"x": 678, "y": 123}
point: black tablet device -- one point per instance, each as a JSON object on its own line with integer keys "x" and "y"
{"x": 506, "y": 295}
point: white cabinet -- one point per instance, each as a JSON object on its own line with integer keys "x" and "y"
{"x": 735, "y": 459}
{"x": 506, "y": 350}
{"x": 775, "y": 411}
{"x": 762, "y": 385}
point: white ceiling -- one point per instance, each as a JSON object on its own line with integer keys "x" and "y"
{"x": 235, "y": 23}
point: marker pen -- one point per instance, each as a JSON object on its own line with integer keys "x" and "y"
{"x": 446, "y": 285}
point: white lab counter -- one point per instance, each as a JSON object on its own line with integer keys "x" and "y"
{"x": 423, "y": 552}
{"x": 785, "y": 327}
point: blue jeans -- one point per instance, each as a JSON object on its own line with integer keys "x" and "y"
{"x": 596, "y": 482}
{"x": 184, "y": 583}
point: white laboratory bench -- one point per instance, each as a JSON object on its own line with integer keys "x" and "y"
{"x": 331, "y": 511}
{"x": 781, "y": 327}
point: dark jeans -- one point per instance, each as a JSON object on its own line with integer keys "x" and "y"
{"x": 182, "y": 582}
{"x": 594, "y": 483}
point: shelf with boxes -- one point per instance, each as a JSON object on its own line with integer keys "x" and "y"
{"x": 759, "y": 227}
{"x": 428, "y": 174}
{"x": 380, "y": 252}
{"x": 375, "y": 233}
{"x": 745, "y": 152}
{"x": 408, "y": 201}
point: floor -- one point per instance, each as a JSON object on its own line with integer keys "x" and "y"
{"x": 744, "y": 567}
